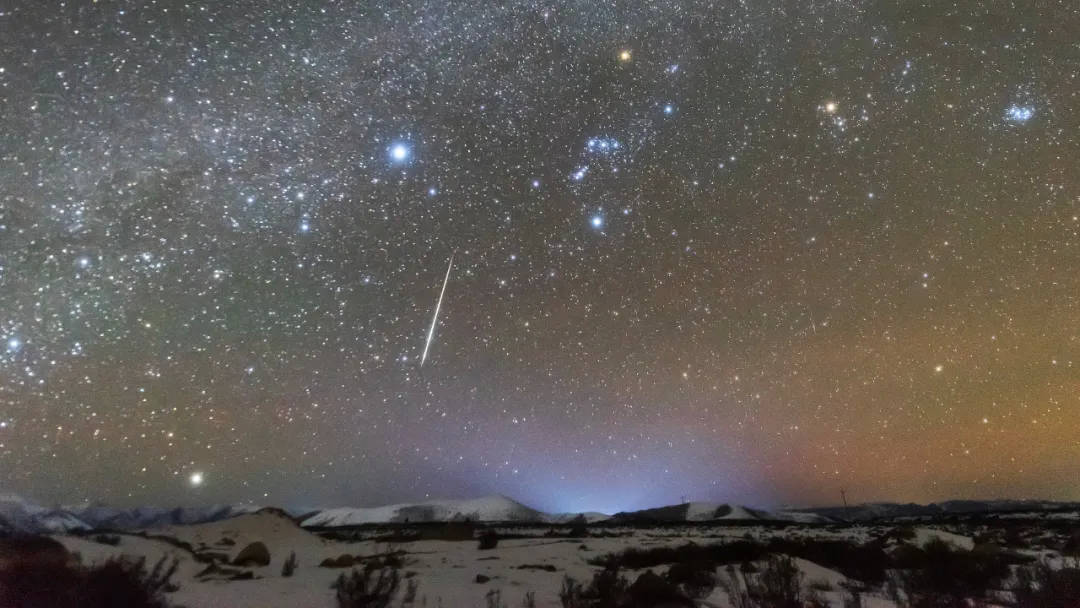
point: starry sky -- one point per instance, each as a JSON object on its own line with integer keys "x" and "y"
{"x": 752, "y": 251}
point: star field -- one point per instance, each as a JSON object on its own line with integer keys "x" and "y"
{"x": 747, "y": 251}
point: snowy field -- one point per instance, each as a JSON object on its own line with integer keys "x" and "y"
{"x": 528, "y": 561}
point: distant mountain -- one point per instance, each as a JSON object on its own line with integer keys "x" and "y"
{"x": 21, "y": 516}
{"x": 892, "y": 511}
{"x": 710, "y": 511}
{"x": 489, "y": 509}
{"x": 103, "y": 517}
{"x": 589, "y": 517}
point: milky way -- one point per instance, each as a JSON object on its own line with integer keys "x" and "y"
{"x": 753, "y": 251}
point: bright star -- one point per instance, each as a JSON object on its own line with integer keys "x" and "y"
{"x": 196, "y": 479}
{"x": 668, "y": 109}
{"x": 84, "y": 262}
{"x": 1020, "y": 113}
{"x": 830, "y": 107}
{"x": 597, "y": 221}
{"x": 305, "y": 227}
{"x": 580, "y": 174}
{"x": 939, "y": 368}
{"x": 624, "y": 55}
{"x": 14, "y": 344}
{"x": 399, "y": 152}
{"x": 432, "y": 191}
{"x": 536, "y": 183}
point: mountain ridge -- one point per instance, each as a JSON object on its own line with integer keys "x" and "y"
{"x": 19, "y": 515}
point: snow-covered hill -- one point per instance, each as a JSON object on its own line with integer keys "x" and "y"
{"x": 104, "y": 517}
{"x": 21, "y": 516}
{"x": 589, "y": 517}
{"x": 898, "y": 511}
{"x": 489, "y": 508}
{"x": 711, "y": 511}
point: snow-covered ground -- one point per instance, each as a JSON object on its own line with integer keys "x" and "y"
{"x": 534, "y": 554}
{"x": 445, "y": 572}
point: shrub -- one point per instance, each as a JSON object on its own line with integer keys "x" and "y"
{"x": 410, "y": 591}
{"x": 1045, "y": 587}
{"x": 117, "y": 582}
{"x": 609, "y": 589}
{"x": 904, "y": 533}
{"x": 867, "y": 562}
{"x": 651, "y": 590}
{"x": 722, "y": 553}
{"x": 937, "y": 575}
{"x": 1071, "y": 546}
{"x": 578, "y": 530}
{"x": 342, "y": 561}
{"x": 570, "y": 594}
{"x": 289, "y": 566}
{"x": 488, "y": 540}
{"x": 778, "y": 585}
{"x": 378, "y": 562}
{"x": 365, "y": 591}
{"x": 697, "y": 579}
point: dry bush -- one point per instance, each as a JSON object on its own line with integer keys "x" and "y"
{"x": 366, "y": 590}
{"x": 34, "y": 583}
{"x": 1044, "y": 587}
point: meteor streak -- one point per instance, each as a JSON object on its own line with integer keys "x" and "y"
{"x": 435, "y": 317}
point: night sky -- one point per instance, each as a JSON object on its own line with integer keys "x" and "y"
{"x": 751, "y": 251}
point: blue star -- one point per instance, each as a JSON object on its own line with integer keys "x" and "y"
{"x": 432, "y": 191}
{"x": 305, "y": 226}
{"x": 14, "y": 344}
{"x": 597, "y": 221}
{"x": 668, "y": 109}
{"x": 399, "y": 153}
{"x": 1020, "y": 113}
{"x": 580, "y": 174}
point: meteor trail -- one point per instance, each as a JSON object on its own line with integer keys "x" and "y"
{"x": 435, "y": 317}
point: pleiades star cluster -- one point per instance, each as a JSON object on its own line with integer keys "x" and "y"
{"x": 753, "y": 251}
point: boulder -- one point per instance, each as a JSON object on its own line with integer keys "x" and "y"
{"x": 343, "y": 561}
{"x": 255, "y": 554}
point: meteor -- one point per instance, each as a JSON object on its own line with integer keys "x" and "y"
{"x": 435, "y": 317}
